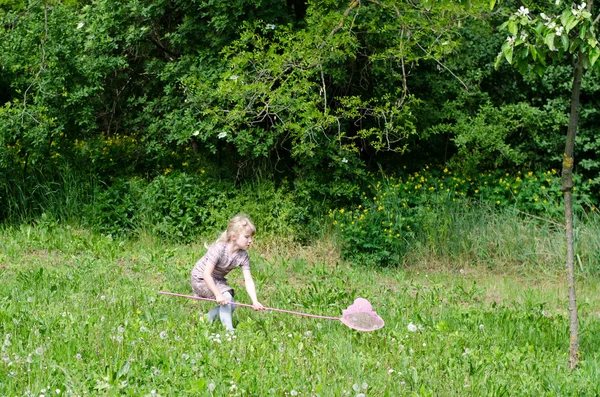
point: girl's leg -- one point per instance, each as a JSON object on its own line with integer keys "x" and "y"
{"x": 226, "y": 312}
{"x": 213, "y": 313}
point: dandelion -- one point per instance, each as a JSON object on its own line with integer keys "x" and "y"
{"x": 481, "y": 327}
{"x": 412, "y": 327}
{"x": 39, "y": 351}
{"x": 121, "y": 329}
{"x": 390, "y": 371}
{"x": 103, "y": 297}
{"x": 185, "y": 357}
{"x": 57, "y": 391}
{"x": 360, "y": 395}
{"x": 143, "y": 329}
{"x": 293, "y": 393}
{"x": 30, "y": 299}
{"x": 467, "y": 352}
{"x": 78, "y": 356}
{"x": 365, "y": 386}
{"x": 356, "y": 387}
{"x": 163, "y": 335}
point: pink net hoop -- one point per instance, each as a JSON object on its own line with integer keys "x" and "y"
{"x": 361, "y": 317}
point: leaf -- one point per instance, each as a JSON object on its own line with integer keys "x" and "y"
{"x": 124, "y": 369}
{"x": 540, "y": 69}
{"x": 492, "y": 4}
{"x": 508, "y": 54}
{"x": 594, "y": 54}
{"x": 497, "y": 61}
{"x": 582, "y": 32}
{"x": 513, "y": 28}
{"x": 565, "y": 17}
{"x": 549, "y": 40}
{"x": 564, "y": 39}
{"x": 533, "y": 52}
{"x": 571, "y": 24}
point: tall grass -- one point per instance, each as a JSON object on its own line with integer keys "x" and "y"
{"x": 63, "y": 196}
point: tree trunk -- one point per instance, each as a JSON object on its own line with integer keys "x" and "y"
{"x": 567, "y": 189}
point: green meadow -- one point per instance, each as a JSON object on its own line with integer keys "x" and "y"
{"x": 80, "y": 315}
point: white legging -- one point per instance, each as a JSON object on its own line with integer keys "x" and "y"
{"x": 224, "y": 312}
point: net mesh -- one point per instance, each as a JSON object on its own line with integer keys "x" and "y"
{"x": 360, "y": 316}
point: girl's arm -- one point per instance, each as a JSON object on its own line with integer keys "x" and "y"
{"x": 210, "y": 282}
{"x": 251, "y": 288}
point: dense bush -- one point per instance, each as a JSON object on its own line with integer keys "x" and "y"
{"x": 437, "y": 205}
{"x": 183, "y": 206}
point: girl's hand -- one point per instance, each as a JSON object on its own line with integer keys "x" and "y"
{"x": 258, "y": 306}
{"x": 221, "y": 300}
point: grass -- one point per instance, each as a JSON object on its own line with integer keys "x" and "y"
{"x": 79, "y": 315}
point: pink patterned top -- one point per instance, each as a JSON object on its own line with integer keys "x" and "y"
{"x": 217, "y": 254}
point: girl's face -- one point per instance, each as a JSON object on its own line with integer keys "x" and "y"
{"x": 243, "y": 240}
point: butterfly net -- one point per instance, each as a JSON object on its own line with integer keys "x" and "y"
{"x": 361, "y": 317}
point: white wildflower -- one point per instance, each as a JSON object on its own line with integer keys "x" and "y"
{"x": 80, "y": 25}
{"x": 222, "y": 134}
{"x": 211, "y": 386}
{"x": 412, "y": 327}
{"x": 523, "y": 11}
{"x": 559, "y": 30}
{"x": 234, "y": 77}
{"x": 344, "y": 160}
{"x": 270, "y": 26}
{"x": 196, "y": 133}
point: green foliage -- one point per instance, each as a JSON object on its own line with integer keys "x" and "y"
{"x": 432, "y": 207}
{"x": 181, "y": 206}
{"x": 535, "y": 40}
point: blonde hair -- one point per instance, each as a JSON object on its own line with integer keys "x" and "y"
{"x": 237, "y": 225}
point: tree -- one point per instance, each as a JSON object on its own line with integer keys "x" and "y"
{"x": 557, "y": 32}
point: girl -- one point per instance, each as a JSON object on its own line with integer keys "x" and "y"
{"x": 227, "y": 253}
